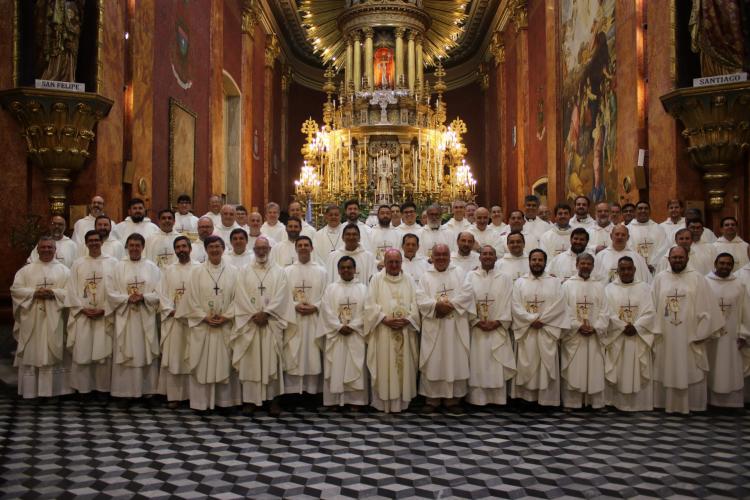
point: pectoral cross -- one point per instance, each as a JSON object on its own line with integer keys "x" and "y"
{"x": 484, "y": 307}
{"x": 261, "y": 288}
{"x": 135, "y": 286}
{"x": 39, "y": 286}
{"x": 673, "y": 306}
{"x": 178, "y": 293}
{"x": 163, "y": 257}
{"x": 299, "y": 292}
{"x": 382, "y": 248}
{"x": 644, "y": 248}
{"x": 724, "y": 306}
{"x": 91, "y": 284}
{"x": 217, "y": 288}
{"x": 628, "y": 312}
{"x": 582, "y": 310}
{"x": 561, "y": 249}
{"x": 532, "y": 306}
{"x": 444, "y": 291}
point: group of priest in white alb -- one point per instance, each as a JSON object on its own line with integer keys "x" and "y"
{"x": 231, "y": 309}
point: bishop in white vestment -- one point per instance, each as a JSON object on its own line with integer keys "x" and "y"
{"x": 392, "y": 324}
{"x": 539, "y": 317}
{"x": 133, "y": 298}
{"x": 209, "y": 311}
{"x": 492, "y": 362}
{"x": 90, "y": 331}
{"x": 445, "y": 300}
{"x": 342, "y": 336}
{"x": 38, "y": 294}
{"x": 628, "y": 357}
{"x": 263, "y": 309}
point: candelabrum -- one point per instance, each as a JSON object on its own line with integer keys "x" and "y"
{"x": 307, "y": 186}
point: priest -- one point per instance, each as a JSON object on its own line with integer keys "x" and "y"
{"x": 227, "y": 224}
{"x": 600, "y": 231}
{"x": 111, "y": 246}
{"x": 283, "y": 253}
{"x": 413, "y": 264}
{"x": 174, "y": 375}
{"x": 465, "y": 257}
{"x": 627, "y": 343}
{"x": 445, "y": 300}
{"x": 607, "y": 260}
{"x": 539, "y": 317}
{"x": 90, "y": 331}
{"x": 66, "y": 251}
{"x": 534, "y": 226}
{"x": 492, "y": 362}
{"x": 133, "y": 298}
{"x": 581, "y": 353}
{"x": 730, "y": 242}
{"x": 383, "y": 236}
{"x": 205, "y": 229}
{"x": 565, "y": 265}
{"x": 701, "y": 260}
{"x": 303, "y": 371}
{"x": 352, "y": 248}
{"x": 647, "y": 237}
{"x": 727, "y": 366}
{"x": 557, "y": 239}
{"x": 239, "y": 255}
{"x": 185, "y": 222}
{"x": 515, "y": 262}
{"x": 434, "y": 233}
{"x": 272, "y": 227}
{"x": 263, "y": 309}
{"x": 38, "y": 294}
{"x": 208, "y": 309}
{"x": 160, "y": 244}
{"x": 135, "y": 222}
{"x": 484, "y": 233}
{"x": 87, "y": 223}
{"x": 328, "y": 238}
{"x": 342, "y": 338}
{"x": 392, "y": 323}
{"x": 686, "y": 319}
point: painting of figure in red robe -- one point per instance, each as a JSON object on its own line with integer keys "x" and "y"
{"x": 384, "y": 68}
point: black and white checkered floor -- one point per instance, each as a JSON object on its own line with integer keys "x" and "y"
{"x": 97, "y": 450}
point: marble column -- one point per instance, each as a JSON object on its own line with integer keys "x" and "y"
{"x": 399, "y": 53}
{"x": 286, "y": 80}
{"x": 522, "y": 100}
{"x": 249, "y": 22}
{"x": 369, "y": 33}
{"x": 411, "y": 63}
{"x": 357, "y": 38}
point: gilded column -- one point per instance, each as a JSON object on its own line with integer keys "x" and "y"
{"x": 411, "y": 62}
{"x": 399, "y": 53}
{"x": 420, "y": 60}
{"x": 357, "y": 38}
{"x": 348, "y": 63}
{"x": 272, "y": 51}
{"x": 249, "y": 21}
{"x": 369, "y": 33}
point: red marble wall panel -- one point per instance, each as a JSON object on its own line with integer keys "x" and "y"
{"x": 468, "y": 103}
{"x": 537, "y": 146}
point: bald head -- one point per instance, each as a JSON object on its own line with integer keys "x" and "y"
{"x": 392, "y": 262}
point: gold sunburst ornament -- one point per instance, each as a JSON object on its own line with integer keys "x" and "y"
{"x": 322, "y": 20}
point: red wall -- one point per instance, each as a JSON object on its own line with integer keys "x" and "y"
{"x": 468, "y": 103}
{"x": 304, "y": 103}
{"x": 195, "y": 17}
{"x": 537, "y": 148}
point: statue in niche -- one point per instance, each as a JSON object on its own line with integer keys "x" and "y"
{"x": 719, "y": 34}
{"x": 384, "y": 68}
{"x": 384, "y": 171}
{"x": 58, "y": 28}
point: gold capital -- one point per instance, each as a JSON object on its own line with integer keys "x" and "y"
{"x": 272, "y": 49}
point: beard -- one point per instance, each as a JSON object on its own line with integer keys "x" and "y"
{"x": 261, "y": 260}
{"x": 137, "y": 218}
{"x": 434, "y": 225}
{"x": 384, "y": 222}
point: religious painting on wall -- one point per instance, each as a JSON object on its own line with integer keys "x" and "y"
{"x": 182, "y": 123}
{"x": 588, "y": 98}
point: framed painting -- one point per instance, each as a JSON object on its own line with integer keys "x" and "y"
{"x": 588, "y": 98}
{"x": 182, "y": 124}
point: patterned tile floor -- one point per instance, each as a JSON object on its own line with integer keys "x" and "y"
{"x": 73, "y": 449}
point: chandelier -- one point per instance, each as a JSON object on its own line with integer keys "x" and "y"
{"x": 383, "y": 137}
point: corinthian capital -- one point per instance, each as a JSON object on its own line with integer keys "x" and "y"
{"x": 272, "y": 49}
